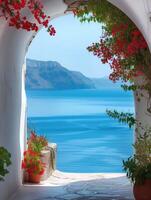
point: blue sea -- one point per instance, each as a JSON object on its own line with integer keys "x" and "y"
{"x": 88, "y": 140}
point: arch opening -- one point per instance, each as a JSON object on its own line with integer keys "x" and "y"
{"x": 13, "y": 101}
{"x": 69, "y": 116}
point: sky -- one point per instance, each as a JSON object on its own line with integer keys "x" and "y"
{"x": 68, "y": 46}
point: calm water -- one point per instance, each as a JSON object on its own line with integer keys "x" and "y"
{"x": 88, "y": 140}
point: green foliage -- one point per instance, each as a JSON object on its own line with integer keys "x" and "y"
{"x": 136, "y": 173}
{"x": 127, "y": 118}
{"x": 138, "y": 167}
{"x": 36, "y": 143}
{"x": 102, "y": 11}
{"x": 143, "y": 148}
{"x": 132, "y": 87}
{"x": 5, "y": 161}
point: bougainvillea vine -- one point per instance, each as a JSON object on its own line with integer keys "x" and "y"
{"x": 117, "y": 50}
{"x": 12, "y": 12}
{"x": 122, "y": 45}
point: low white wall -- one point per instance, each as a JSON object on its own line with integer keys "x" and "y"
{"x": 13, "y": 47}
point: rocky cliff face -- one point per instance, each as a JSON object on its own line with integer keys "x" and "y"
{"x": 51, "y": 75}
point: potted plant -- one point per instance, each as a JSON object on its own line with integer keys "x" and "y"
{"x": 138, "y": 168}
{"x": 33, "y": 165}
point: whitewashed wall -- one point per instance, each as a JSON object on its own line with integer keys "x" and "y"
{"x": 142, "y": 107}
{"x": 13, "y": 47}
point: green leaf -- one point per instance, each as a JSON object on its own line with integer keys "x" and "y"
{"x": 5, "y": 161}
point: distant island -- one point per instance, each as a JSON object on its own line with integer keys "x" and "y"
{"x": 52, "y": 75}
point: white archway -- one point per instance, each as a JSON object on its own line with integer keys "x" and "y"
{"x": 13, "y": 48}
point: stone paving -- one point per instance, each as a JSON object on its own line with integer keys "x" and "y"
{"x": 68, "y": 186}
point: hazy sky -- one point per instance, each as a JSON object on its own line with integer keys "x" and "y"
{"x": 68, "y": 46}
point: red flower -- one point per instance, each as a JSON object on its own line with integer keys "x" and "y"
{"x": 12, "y": 12}
{"x": 23, "y": 165}
{"x": 32, "y": 162}
{"x": 120, "y": 50}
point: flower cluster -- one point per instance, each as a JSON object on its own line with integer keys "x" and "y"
{"x": 12, "y": 11}
{"x": 32, "y": 162}
{"x": 119, "y": 49}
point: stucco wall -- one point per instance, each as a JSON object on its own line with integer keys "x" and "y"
{"x": 13, "y": 47}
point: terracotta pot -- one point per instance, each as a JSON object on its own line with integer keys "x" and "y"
{"x": 142, "y": 192}
{"x": 25, "y": 176}
{"x": 34, "y": 178}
